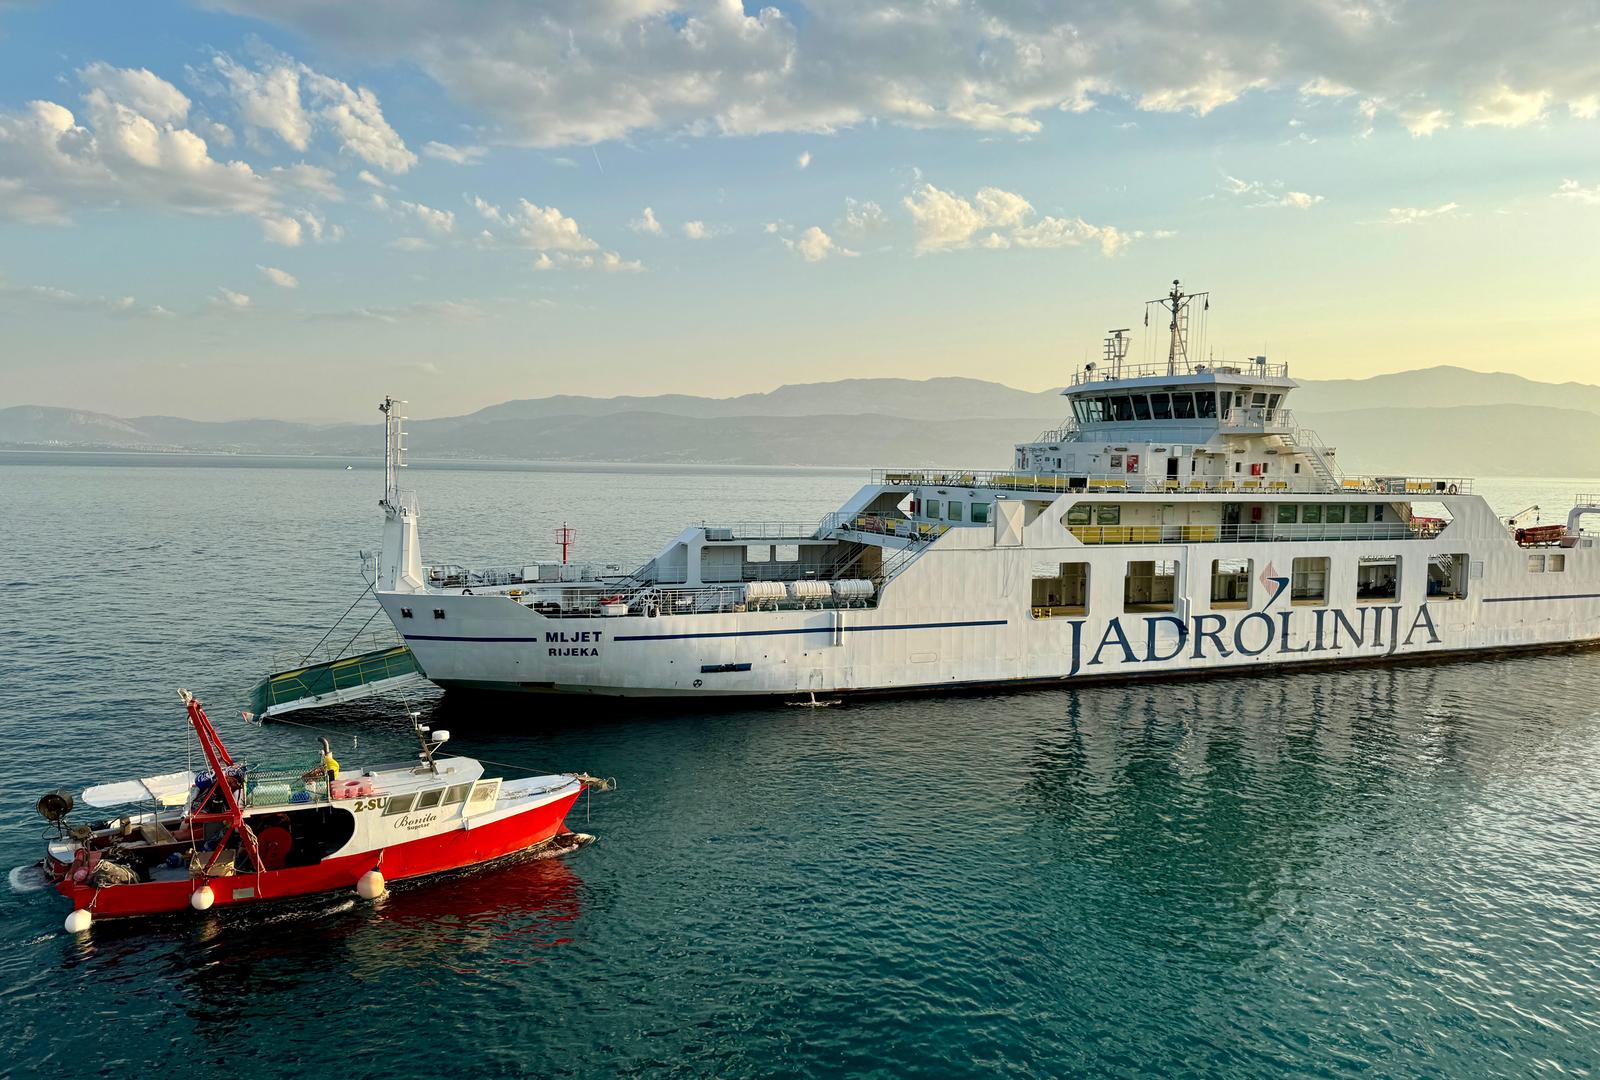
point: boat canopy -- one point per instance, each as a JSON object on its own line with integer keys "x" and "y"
{"x": 168, "y": 789}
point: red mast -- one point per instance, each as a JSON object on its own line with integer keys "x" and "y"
{"x": 221, "y": 762}
{"x": 565, "y": 537}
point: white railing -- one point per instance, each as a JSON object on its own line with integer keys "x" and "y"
{"x": 1256, "y": 532}
{"x": 763, "y": 530}
{"x": 1139, "y": 483}
{"x": 1159, "y": 368}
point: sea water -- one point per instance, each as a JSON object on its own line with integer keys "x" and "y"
{"x": 1375, "y": 871}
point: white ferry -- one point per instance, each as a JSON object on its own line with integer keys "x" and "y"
{"x": 1179, "y": 521}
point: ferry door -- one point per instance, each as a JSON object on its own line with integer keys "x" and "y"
{"x": 1172, "y": 468}
{"x": 1230, "y": 521}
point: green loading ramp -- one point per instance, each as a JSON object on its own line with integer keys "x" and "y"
{"x": 334, "y": 681}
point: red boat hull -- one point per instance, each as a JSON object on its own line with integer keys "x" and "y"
{"x": 415, "y": 858}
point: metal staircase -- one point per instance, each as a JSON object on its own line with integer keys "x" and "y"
{"x": 1317, "y": 453}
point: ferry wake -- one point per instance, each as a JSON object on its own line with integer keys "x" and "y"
{"x": 1178, "y": 521}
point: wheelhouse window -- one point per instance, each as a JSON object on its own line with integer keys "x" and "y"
{"x": 1183, "y": 406}
{"x": 980, "y": 513}
{"x": 1230, "y": 583}
{"x": 1161, "y": 406}
{"x": 1123, "y": 407}
{"x": 1206, "y": 404}
{"x": 1308, "y": 580}
{"x": 1060, "y": 589}
{"x": 427, "y": 800}
{"x": 1141, "y": 407}
{"x": 1447, "y": 577}
{"x": 399, "y": 804}
{"x": 1150, "y": 586}
{"x": 1378, "y": 577}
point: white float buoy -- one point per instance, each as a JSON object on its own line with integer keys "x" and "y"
{"x": 79, "y": 921}
{"x": 370, "y": 886}
{"x": 202, "y": 898}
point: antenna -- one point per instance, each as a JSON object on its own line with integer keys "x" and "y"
{"x": 1116, "y": 349}
{"x": 565, "y": 535}
{"x": 1177, "y": 303}
{"x": 394, "y": 450}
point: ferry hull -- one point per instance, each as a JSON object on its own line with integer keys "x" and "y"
{"x": 454, "y": 850}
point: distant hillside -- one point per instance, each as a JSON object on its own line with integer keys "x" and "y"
{"x": 1441, "y": 420}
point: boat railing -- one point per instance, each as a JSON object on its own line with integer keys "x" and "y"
{"x": 1137, "y": 483}
{"x": 1065, "y": 433}
{"x": 763, "y": 530}
{"x": 1257, "y": 532}
{"x": 337, "y": 648}
{"x": 1118, "y": 372}
{"x": 665, "y": 600}
{"x": 1586, "y": 498}
{"x": 1256, "y": 419}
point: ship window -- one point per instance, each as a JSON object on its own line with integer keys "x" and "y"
{"x": 1161, "y": 406}
{"x": 1535, "y": 564}
{"x": 1060, "y": 589}
{"x": 785, "y": 552}
{"x": 1335, "y": 515}
{"x": 758, "y": 553}
{"x": 1272, "y": 401}
{"x": 1308, "y": 581}
{"x": 1258, "y": 401}
{"x": 1227, "y": 400}
{"x": 1311, "y": 515}
{"x": 1230, "y": 583}
{"x": 1378, "y": 578}
{"x": 1556, "y": 564}
{"x": 1286, "y": 513}
{"x": 953, "y": 510}
{"x": 1123, "y": 407}
{"x": 429, "y": 799}
{"x": 1141, "y": 407}
{"x": 1358, "y": 513}
{"x": 1108, "y": 514}
{"x": 980, "y": 513}
{"x": 456, "y": 793}
{"x": 405, "y": 613}
{"x": 1104, "y": 404}
{"x": 438, "y": 613}
{"x": 1447, "y": 577}
{"x": 1297, "y": 468}
{"x": 1238, "y": 466}
{"x": 1377, "y": 512}
{"x": 1150, "y": 586}
{"x": 1207, "y": 404}
{"x": 932, "y": 507}
{"x": 1238, "y": 399}
{"x": 1079, "y": 513}
{"x": 399, "y": 804}
{"x": 1183, "y": 406}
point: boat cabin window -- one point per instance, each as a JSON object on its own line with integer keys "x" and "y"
{"x": 1287, "y": 513}
{"x": 1108, "y": 514}
{"x": 1161, "y": 406}
{"x": 1335, "y": 514}
{"x": 785, "y": 552}
{"x": 1230, "y": 583}
{"x": 1207, "y": 406}
{"x": 980, "y": 513}
{"x": 1258, "y": 401}
{"x": 1311, "y": 515}
{"x": 953, "y": 510}
{"x": 1141, "y": 407}
{"x": 1447, "y": 577}
{"x": 1183, "y": 406}
{"x": 1080, "y": 514}
{"x": 1556, "y": 564}
{"x": 1378, "y": 577}
{"x": 456, "y": 793}
{"x": 1358, "y": 513}
{"x": 931, "y": 506}
{"x": 1123, "y": 408}
{"x": 1227, "y": 400}
{"x": 1150, "y": 586}
{"x": 1535, "y": 564}
{"x": 427, "y": 800}
{"x": 399, "y": 804}
{"x": 1308, "y": 581}
{"x": 1060, "y": 589}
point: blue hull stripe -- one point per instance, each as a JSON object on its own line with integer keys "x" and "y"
{"x": 1527, "y": 599}
{"x": 728, "y": 633}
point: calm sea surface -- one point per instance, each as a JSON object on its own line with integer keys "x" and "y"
{"x": 1373, "y": 872}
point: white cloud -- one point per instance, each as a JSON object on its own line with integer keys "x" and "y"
{"x": 268, "y": 99}
{"x": 1576, "y": 192}
{"x": 229, "y": 300}
{"x": 804, "y": 160}
{"x": 561, "y": 74}
{"x": 1424, "y": 121}
{"x": 410, "y": 243}
{"x": 1261, "y": 194}
{"x": 1412, "y": 215}
{"x": 646, "y": 223}
{"x": 122, "y": 307}
{"x": 438, "y": 222}
{"x": 545, "y": 228}
{"x": 862, "y": 216}
{"x": 293, "y": 229}
{"x": 814, "y": 245}
{"x": 995, "y": 218}
{"x": 695, "y": 230}
{"x": 456, "y": 155}
{"x": 140, "y": 90}
{"x": 1502, "y": 106}
{"x": 357, "y": 119}
{"x": 281, "y": 278}
{"x": 372, "y": 181}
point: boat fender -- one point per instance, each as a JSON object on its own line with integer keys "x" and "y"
{"x": 370, "y": 886}
{"x": 651, "y": 610}
{"x": 202, "y": 898}
{"x": 1453, "y": 490}
{"x": 466, "y": 592}
{"x": 78, "y": 922}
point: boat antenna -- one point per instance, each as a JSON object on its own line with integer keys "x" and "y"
{"x": 1116, "y": 350}
{"x": 430, "y": 741}
{"x": 1177, "y": 303}
{"x": 394, "y": 450}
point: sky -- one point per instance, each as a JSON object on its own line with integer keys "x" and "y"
{"x": 289, "y": 208}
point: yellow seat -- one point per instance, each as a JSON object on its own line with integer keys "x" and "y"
{"x": 1197, "y": 485}
{"x": 1226, "y": 485}
{"x": 1252, "y": 485}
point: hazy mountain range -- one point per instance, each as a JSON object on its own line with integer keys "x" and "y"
{"x": 1441, "y": 420}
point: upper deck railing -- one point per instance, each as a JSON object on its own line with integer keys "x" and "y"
{"x": 1412, "y": 486}
{"x": 1184, "y": 371}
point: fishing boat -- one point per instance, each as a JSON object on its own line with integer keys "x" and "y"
{"x": 1179, "y": 521}
{"x": 240, "y": 834}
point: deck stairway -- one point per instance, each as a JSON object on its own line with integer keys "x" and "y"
{"x": 1307, "y": 442}
{"x": 346, "y": 676}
